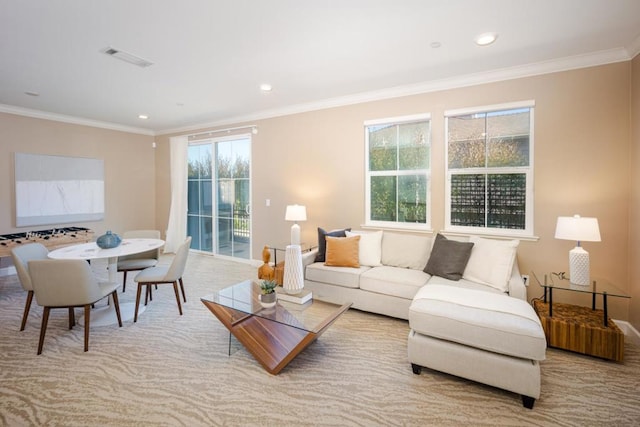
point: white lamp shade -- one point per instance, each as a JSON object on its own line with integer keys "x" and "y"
{"x": 296, "y": 213}
{"x": 578, "y": 229}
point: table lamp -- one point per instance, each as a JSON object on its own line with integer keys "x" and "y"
{"x": 579, "y": 229}
{"x": 295, "y": 213}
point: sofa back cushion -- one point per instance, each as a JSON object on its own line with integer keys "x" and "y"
{"x": 406, "y": 250}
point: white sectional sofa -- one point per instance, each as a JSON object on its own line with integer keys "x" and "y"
{"x": 389, "y": 288}
{"x": 474, "y": 323}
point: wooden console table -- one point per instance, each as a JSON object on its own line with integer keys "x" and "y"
{"x": 581, "y": 329}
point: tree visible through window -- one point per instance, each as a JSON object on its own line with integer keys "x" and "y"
{"x": 489, "y": 169}
{"x": 398, "y": 168}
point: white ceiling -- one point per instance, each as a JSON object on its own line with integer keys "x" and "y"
{"x": 210, "y": 56}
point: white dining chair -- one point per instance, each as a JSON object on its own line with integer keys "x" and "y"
{"x": 140, "y": 261}
{"x": 21, "y": 256}
{"x": 69, "y": 283}
{"x": 164, "y": 275}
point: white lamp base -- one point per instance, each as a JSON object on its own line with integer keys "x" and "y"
{"x": 579, "y": 266}
{"x": 295, "y": 234}
{"x": 293, "y": 281}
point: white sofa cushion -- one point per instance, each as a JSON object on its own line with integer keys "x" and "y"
{"x": 394, "y": 281}
{"x": 463, "y": 283}
{"x": 489, "y": 321}
{"x": 370, "y": 247}
{"x": 491, "y": 262}
{"x": 347, "y": 277}
{"x": 406, "y": 250}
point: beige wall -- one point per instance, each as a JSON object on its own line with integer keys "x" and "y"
{"x": 582, "y": 165}
{"x": 634, "y": 235}
{"x": 129, "y": 160}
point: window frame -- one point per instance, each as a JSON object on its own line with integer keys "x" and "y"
{"x": 427, "y": 173}
{"x": 528, "y": 231}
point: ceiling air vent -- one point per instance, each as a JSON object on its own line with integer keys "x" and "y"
{"x": 127, "y": 57}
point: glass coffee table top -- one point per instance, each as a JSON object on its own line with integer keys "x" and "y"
{"x": 243, "y": 299}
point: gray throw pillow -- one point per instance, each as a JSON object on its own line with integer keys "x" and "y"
{"x": 322, "y": 241}
{"x": 448, "y": 258}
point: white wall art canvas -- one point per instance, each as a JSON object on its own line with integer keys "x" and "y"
{"x": 57, "y": 189}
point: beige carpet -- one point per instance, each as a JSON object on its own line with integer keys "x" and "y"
{"x": 171, "y": 370}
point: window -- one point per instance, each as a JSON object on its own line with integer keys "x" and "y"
{"x": 489, "y": 186}
{"x": 398, "y": 156}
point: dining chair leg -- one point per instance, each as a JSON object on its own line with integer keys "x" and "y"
{"x": 135, "y": 314}
{"x": 184, "y": 297}
{"x": 43, "y": 328}
{"x": 147, "y": 294}
{"x": 27, "y": 306}
{"x": 116, "y": 305}
{"x": 72, "y": 318}
{"x": 175, "y": 289}
{"x": 87, "y": 323}
{"x": 124, "y": 281}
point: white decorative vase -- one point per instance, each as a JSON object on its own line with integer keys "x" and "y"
{"x": 293, "y": 281}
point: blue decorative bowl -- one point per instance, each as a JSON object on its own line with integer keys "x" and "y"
{"x": 108, "y": 240}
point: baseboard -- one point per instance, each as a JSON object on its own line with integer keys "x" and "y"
{"x": 631, "y": 334}
{"x": 8, "y": 271}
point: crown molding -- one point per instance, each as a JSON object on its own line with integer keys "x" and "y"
{"x": 539, "y": 68}
{"x": 10, "y": 109}
{"x": 634, "y": 48}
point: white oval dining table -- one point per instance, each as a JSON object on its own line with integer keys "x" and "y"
{"x": 88, "y": 251}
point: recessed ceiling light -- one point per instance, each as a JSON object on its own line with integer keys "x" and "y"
{"x": 486, "y": 39}
{"x": 143, "y": 116}
{"x": 266, "y": 87}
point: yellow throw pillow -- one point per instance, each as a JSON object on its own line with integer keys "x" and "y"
{"x": 343, "y": 251}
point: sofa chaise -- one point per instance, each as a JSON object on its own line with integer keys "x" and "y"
{"x": 465, "y": 300}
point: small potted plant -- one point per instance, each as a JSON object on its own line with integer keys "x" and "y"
{"x": 268, "y": 293}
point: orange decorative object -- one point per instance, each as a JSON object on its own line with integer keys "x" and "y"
{"x": 265, "y": 271}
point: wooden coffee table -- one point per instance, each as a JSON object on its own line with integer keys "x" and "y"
{"x": 274, "y": 336}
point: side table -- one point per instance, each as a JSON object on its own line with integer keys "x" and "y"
{"x": 581, "y": 329}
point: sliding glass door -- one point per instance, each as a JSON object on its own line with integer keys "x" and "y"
{"x": 220, "y": 171}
